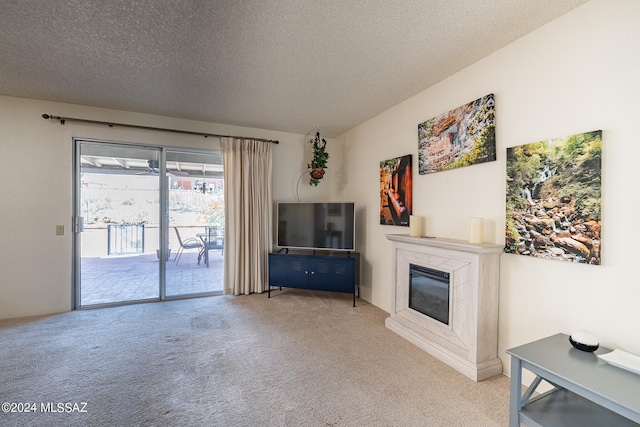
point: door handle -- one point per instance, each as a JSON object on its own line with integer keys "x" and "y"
{"x": 78, "y": 224}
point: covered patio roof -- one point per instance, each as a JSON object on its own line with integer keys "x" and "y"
{"x": 108, "y": 159}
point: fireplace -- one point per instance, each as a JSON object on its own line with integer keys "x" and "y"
{"x": 445, "y": 301}
{"x": 429, "y": 292}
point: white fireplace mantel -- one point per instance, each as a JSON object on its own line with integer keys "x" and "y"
{"x": 470, "y": 342}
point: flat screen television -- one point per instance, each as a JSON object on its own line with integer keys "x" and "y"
{"x": 319, "y": 226}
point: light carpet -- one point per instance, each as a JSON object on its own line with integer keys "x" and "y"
{"x": 300, "y": 358}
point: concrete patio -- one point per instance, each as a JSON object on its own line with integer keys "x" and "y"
{"x": 130, "y": 278}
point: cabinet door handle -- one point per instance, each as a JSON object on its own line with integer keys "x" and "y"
{"x": 306, "y": 272}
{"x": 313, "y": 272}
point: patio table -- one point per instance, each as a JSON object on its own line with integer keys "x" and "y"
{"x": 211, "y": 241}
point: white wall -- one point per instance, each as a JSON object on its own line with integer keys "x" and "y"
{"x": 36, "y": 182}
{"x": 579, "y": 73}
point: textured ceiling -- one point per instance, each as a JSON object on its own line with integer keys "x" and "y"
{"x": 286, "y": 65}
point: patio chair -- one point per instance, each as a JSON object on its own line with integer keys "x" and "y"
{"x": 190, "y": 243}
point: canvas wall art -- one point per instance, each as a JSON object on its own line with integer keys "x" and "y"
{"x": 554, "y": 199}
{"x": 396, "y": 191}
{"x": 461, "y": 137}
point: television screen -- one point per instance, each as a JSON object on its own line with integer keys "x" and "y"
{"x": 325, "y": 226}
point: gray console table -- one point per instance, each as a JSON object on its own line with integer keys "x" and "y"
{"x": 587, "y": 390}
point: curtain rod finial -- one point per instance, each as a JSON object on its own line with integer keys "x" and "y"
{"x": 47, "y": 117}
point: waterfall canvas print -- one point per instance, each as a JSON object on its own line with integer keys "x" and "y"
{"x": 461, "y": 137}
{"x": 396, "y": 191}
{"x": 554, "y": 198}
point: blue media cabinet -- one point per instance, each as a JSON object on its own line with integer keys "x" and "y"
{"x": 335, "y": 273}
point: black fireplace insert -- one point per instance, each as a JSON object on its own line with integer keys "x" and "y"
{"x": 429, "y": 292}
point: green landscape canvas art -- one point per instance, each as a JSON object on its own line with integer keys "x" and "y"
{"x": 461, "y": 137}
{"x": 554, "y": 199}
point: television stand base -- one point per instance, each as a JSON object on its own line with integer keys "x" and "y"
{"x": 334, "y": 273}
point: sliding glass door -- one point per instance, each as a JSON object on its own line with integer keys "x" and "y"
{"x": 118, "y": 223}
{"x": 196, "y": 223}
{"x": 136, "y": 205}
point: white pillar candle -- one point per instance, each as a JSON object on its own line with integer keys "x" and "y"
{"x": 476, "y": 230}
{"x": 415, "y": 225}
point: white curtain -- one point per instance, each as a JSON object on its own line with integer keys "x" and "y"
{"x": 248, "y": 206}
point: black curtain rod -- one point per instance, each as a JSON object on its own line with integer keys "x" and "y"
{"x": 187, "y": 132}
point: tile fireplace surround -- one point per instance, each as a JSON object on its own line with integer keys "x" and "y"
{"x": 470, "y": 342}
